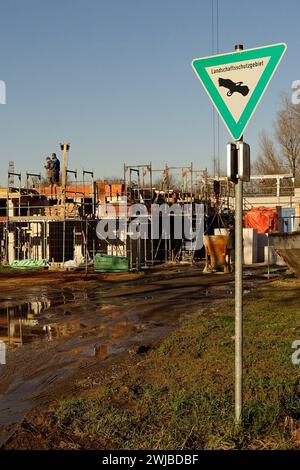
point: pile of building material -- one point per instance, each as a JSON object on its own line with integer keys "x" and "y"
{"x": 58, "y": 210}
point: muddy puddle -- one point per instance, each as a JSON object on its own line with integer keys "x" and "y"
{"x": 53, "y": 336}
{"x": 52, "y": 314}
{"x": 24, "y": 320}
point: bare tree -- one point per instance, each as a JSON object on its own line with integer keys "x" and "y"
{"x": 287, "y": 133}
{"x": 267, "y": 162}
{"x": 283, "y": 153}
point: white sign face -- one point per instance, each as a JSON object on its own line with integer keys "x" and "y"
{"x": 236, "y": 82}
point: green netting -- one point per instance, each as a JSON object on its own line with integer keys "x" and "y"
{"x": 30, "y": 264}
{"x": 110, "y": 264}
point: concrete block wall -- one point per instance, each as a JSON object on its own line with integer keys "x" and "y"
{"x": 250, "y": 245}
{"x": 262, "y": 243}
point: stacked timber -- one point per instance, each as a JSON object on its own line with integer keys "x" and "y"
{"x": 71, "y": 210}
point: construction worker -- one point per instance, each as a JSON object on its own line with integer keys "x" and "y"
{"x": 47, "y": 167}
{"x": 55, "y": 168}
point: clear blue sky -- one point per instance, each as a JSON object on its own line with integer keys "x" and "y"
{"x": 113, "y": 77}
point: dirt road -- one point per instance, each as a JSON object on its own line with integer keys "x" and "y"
{"x": 63, "y": 330}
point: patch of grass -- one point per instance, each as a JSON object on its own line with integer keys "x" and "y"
{"x": 182, "y": 395}
{"x": 6, "y": 269}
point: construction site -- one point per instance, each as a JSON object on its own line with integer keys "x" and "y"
{"x": 59, "y": 272}
{"x": 149, "y": 255}
{"x": 55, "y": 225}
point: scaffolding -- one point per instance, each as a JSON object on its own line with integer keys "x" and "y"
{"x": 58, "y": 222}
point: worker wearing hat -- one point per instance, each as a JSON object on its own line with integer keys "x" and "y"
{"x": 55, "y": 168}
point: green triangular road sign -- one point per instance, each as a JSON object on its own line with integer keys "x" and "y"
{"x": 236, "y": 82}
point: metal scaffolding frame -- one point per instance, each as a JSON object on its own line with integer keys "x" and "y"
{"x": 195, "y": 186}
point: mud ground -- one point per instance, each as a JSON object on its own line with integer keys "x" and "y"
{"x": 67, "y": 332}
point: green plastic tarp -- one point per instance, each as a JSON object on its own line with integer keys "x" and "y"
{"x": 30, "y": 264}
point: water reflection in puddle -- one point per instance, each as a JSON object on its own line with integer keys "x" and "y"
{"x": 20, "y": 323}
{"x": 48, "y": 315}
{"x": 56, "y": 314}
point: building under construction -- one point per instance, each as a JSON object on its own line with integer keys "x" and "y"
{"x": 57, "y": 223}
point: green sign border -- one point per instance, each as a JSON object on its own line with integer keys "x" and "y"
{"x": 274, "y": 51}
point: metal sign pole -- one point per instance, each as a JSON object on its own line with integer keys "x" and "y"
{"x": 238, "y": 171}
{"x": 238, "y": 292}
{"x": 238, "y": 300}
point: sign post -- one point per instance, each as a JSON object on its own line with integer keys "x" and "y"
{"x": 238, "y": 300}
{"x": 236, "y": 82}
{"x": 238, "y": 287}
